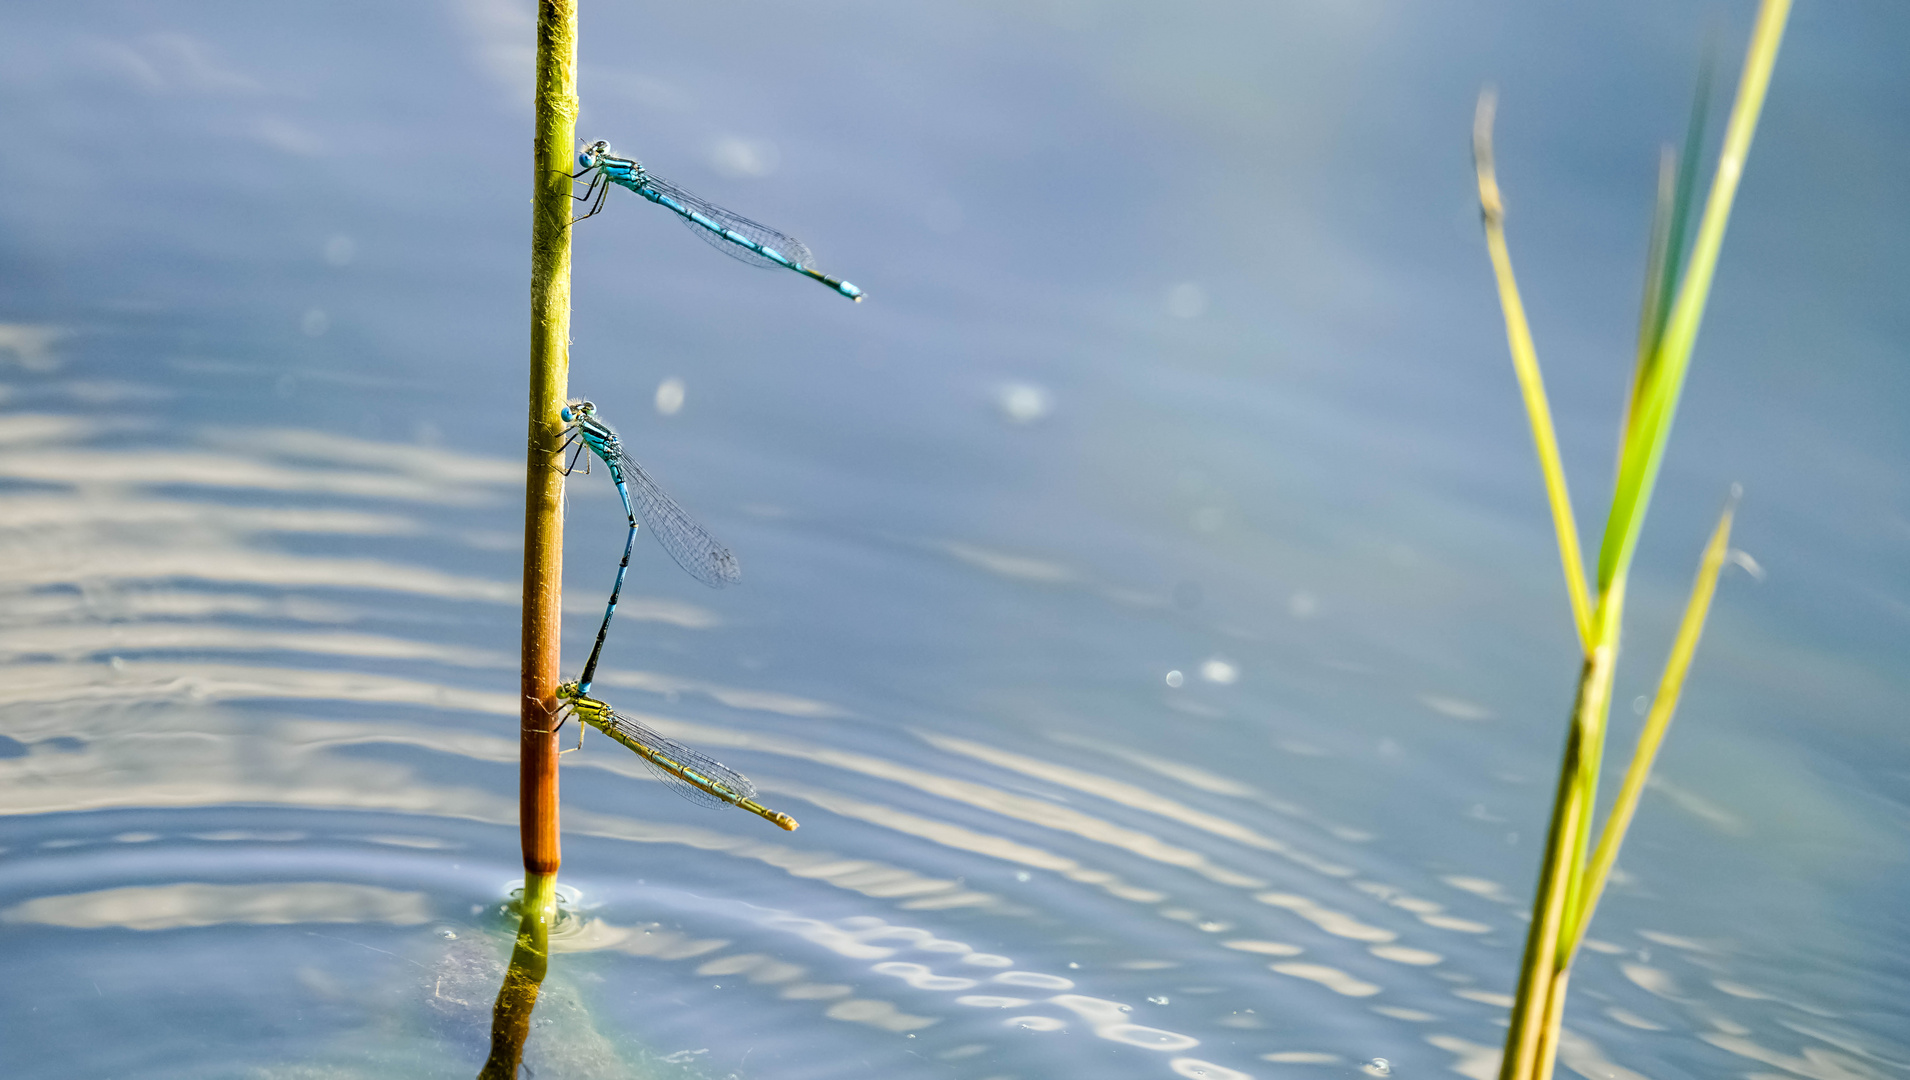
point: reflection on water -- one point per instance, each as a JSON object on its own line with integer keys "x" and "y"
{"x": 175, "y": 660}
{"x": 169, "y": 907}
{"x": 523, "y": 978}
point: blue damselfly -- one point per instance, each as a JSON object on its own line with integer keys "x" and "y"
{"x": 693, "y": 548}
{"x": 729, "y": 232}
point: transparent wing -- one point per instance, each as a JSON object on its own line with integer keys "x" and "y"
{"x": 693, "y": 775}
{"x": 693, "y": 548}
{"x": 788, "y": 246}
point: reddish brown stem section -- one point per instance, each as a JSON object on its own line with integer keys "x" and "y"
{"x": 556, "y": 117}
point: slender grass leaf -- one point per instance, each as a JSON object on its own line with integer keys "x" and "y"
{"x": 1525, "y": 361}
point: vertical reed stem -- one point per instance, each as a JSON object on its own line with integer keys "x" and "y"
{"x": 1549, "y": 913}
{"x": 556, "y": 120}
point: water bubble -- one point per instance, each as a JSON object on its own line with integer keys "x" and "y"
{"x": 1023, "y": 875}
{"x": 1175, "y": 679}
{"x": 1186, "y": 301}
{"x": 1158, "y": 999}
{"x": 1378, "y": 1067}
{"x": 1639, "y": 705}
{"x": 1219, "y": 671}
{"x": 744, "y": 158}
{"x": 669, "y": 396}
{"x": 1023, "y": 403}
{"x": 340, "y": 250}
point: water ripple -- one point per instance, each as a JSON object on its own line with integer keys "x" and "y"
{"x": 189, "y": 904}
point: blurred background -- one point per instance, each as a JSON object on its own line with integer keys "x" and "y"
{"x": 1149, "y": 606}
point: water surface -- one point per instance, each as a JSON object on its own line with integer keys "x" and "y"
{"x": 1149, "y": 607}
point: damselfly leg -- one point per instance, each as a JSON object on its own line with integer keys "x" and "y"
{"x": 571, "y": 466}
{"x": 597, "y": 206}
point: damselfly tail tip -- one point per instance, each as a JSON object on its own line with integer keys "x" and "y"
{"x": 850, "y": 291}
{"x": 774, "y": 817}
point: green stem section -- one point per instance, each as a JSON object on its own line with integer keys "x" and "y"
{"x": 511, "y": 1016}
{"x": 556, "y": 122}
{"x": 1590, "y": 717}
{"x": 1664, "y": 704}
{"x": 1533, "y": 1008}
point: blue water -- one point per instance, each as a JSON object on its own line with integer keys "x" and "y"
{"x": 1181, "y": 355}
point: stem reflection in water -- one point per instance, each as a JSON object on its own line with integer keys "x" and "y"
{"x": 511, "y": 1016}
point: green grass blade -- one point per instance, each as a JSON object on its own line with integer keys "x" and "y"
{"x": 1651, "y": 308}
{"x": 1687, "y": 188}
{"x": 1677, "y": 186}
{"x": 1658, "y": 393}
{"x": 1525, "y": 361}
{"x": 1657, "y": 722}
